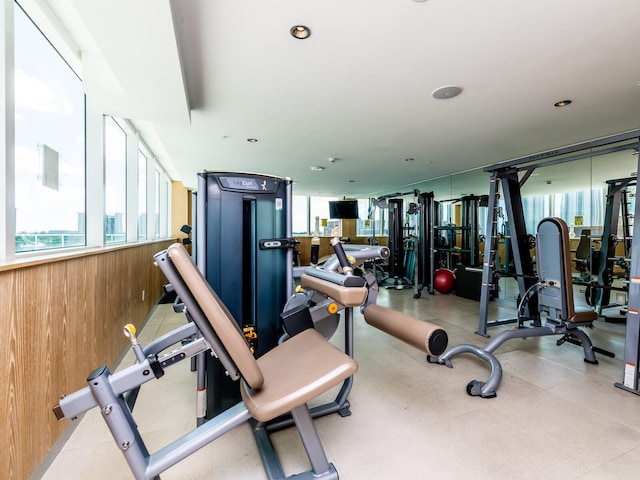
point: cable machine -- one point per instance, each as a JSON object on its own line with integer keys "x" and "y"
{"x": 401, "y": 260}
{"x": 432, "y": 252}
{"x": 250, "y": 216}
{"x": 426, "y": 211}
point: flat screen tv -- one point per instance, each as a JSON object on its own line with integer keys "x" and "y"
{"x": 343, "y": 209}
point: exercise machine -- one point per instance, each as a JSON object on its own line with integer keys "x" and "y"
{"x": 554, "y": 293}
{"x": 281, "y": 381}
{"x": 397, "y": 275}
{"x": 426, "y": 212}
{"x": 438, "y": 245}
{"x": 603, "y": 261}
{"x": 425, "y": 336}
{"x": 244, "y": 248}
{"x": 505, "y": 175}
{"x": 631, "y": 372}
{"x": 326, "y": 291}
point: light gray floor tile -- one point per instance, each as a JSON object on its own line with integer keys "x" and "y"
{"x": 555, "y": 417}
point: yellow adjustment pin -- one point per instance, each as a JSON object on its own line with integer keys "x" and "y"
{"x": 352, "y": 260}
{"x": 332, "y": 308}
{"x": 249, "y": 332}
{"x": 129, "y": 330}
{"x": 299, "y": 289}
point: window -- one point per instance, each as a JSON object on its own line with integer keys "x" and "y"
{"x": 368, "y": 218}
{"x": 156, "y": 204}
{"x": 319, "y": 214}
{"x": 300, "y": 215}
{"x": 115, "y": 179}
{"x": 49, "y": 144}
{"x": 142, "y": 196}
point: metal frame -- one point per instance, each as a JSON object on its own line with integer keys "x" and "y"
{"x": 115, "y": 395}
{"x": 551, "y": 291}
{"x": 505, "y": 174}
{"x": 520, "y": 244}
{"x": 632, "y": 334}
{"x": 425, "y": 244}
{"x": 616, "y": 206}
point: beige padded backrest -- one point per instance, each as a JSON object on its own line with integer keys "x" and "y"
{"x": 566, "y": 256}
{"x": 218, "y": 315}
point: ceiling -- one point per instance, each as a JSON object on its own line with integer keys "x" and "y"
{"x": 199, "y": 77}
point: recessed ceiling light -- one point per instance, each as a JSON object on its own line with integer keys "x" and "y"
{"x": 300, "y": 32}
{"x": 562, "y": 103}
{"x": 252, "y": 140}
{"x": 446, "y": 92}
{"x": 316, "y": 168}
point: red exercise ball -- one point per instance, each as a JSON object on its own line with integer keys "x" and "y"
{"x": 444, "y": 281}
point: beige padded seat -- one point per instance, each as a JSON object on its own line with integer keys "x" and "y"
{"x": 286, "y": 377}
{"x": 294, "y": 374}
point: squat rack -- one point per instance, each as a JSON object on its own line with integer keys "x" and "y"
{"x": 505, "y": 175}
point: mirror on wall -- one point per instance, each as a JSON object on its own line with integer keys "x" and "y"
{"x": 575, "y": 191}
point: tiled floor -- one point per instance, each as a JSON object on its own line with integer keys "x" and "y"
{"x": 555, "y": 417}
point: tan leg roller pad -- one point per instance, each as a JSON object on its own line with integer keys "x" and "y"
{"x": 423, "y": 335}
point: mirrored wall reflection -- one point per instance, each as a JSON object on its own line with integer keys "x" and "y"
{"x": 575, "y": 191}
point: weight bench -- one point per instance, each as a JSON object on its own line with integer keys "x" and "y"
{"x": 281, "y": 381}
{"x": 555, "y": 298}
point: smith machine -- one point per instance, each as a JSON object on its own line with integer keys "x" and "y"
{"x": 505, "y": 176}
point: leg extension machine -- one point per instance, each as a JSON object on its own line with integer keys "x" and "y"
{"x": 282, "y": 380}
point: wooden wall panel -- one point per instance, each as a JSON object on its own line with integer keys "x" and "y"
{"x": 59, "y": 321}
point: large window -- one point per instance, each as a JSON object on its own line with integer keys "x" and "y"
{"x": 49, "y": 144}
{"x": 142, "y": 196}
{"x": 115, "y": 173}
{"x": 319, "y": 215}
{"x": 300, "y": 215}
{"x": 157, "y": 204}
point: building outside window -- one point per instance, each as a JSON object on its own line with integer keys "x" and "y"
{"x": 142, "y": 196}
{"x": 157, "y": 205}
{"x": 115, "y": 178}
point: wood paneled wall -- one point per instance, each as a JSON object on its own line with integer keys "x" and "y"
{"x": 59, "y": 320}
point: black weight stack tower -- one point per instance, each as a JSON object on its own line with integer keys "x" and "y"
{"x": 243, "y": 225}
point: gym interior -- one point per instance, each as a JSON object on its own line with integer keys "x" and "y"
{"x": 222, "y": 259}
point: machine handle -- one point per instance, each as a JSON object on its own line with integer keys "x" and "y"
{"x": 342, "y": 257}
{"x": 281, "y": 243}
